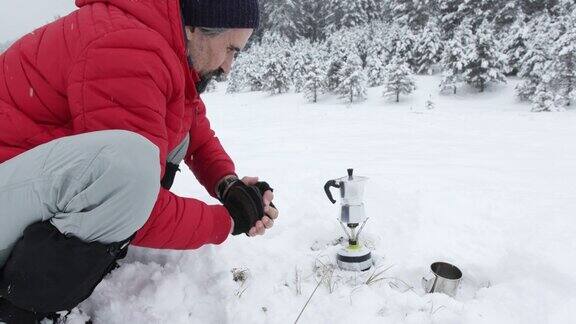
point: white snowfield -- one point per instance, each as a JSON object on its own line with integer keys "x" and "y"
{"x": 479, "y": 181}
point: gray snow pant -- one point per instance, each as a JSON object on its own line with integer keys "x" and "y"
{"x": 98, "y": 186}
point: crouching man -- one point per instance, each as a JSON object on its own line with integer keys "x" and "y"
{"x": 97, "y": 110}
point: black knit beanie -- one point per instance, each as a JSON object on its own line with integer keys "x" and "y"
{"x": 221, "y": 13}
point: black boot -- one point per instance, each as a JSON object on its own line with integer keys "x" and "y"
{"x": 48, "y": 271}
{"x": 11, "y": 314}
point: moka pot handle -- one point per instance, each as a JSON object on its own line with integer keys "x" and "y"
{"x": 331, "y": 183}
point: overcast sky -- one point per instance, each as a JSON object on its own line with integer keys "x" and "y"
{"x": 18, "y": 17}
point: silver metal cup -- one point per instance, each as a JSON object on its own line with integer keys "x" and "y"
{"x": 445, "y": 278}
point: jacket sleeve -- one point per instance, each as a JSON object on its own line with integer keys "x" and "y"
{"x": 206, "y": 157}
{"x": 121, "y": 81}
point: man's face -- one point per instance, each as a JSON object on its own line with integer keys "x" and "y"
{"x": 213, "y": 54}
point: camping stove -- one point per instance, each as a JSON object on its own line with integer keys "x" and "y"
{"x": 355, "y": 256}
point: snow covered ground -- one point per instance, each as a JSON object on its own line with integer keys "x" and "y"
{"x": 479, "y": 181}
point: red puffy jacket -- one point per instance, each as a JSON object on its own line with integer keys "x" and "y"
{"x": 118, "y": 64}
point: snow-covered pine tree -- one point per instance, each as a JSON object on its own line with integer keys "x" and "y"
{"x": 484, "y": 62}
{"x": 507, "y": 13}
{"x": 237, "y": 80}
{"x": 427, "y": 48}
{"x": 450, "y": 81}
{"x": 298, "y": 71}
{"x": 376, "y": 10}
{"x": 277, "y": 74}
{"x": 313, "y": 77}
{"x": 332, "y": 74}
{"x": 233, "y": 84}
{"x": 337, "y": 58}
{"x": 399, "y": 79}
{"x": 280, "y": 17}
{"x": 363, "y": 40}
{"x": 346, "y": 13}
{"x": 353, "y": 13}
{"x": 352, "y": 80}
{"x": 413, "y": 14}
{"x": 449, "y": 16}
{"x": 452, "y": 73}
{"x": 254, "y": 70}
{"x": 311, "y": 19}
{"x": 271, "y": 46}
{"x": 563, "y": 65}
{"x": 549, "y": 26}
{"x": 536, "y": 62}
{"x": 563, "y": 8}
{"x": 376, "y": 69}
{"x": 300, "y": 59}
{"x": 535, "y": 7}
{"x": 353, "y": 39}
{"x": 376, "y": 54}
{"x": 515, "y": 46}
{"x": 248, "y": 71}
{"x": 404, "y": 48}
{"x": 480, "y": 11}
{"x": 454, "y": 58}
{"x": 533, "y": 69}
{"x": 544, "y": 100}
{"x": 400, "y": 43}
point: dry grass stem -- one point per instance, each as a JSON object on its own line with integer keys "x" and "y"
{"x": 376, "y": 276}
{"x": 298, "y": 281}
{"x": 308, "y": 301}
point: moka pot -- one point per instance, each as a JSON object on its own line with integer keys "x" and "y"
{"x": 351, "y": 190}
{"x": 354, "y": 257}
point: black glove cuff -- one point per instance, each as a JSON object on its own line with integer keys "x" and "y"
{"x": 223, "y": 187}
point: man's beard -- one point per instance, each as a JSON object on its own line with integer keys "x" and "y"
{"x": 206, "y": 78}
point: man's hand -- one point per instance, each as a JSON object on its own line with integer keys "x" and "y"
{"x": 270, "y": 211}
{"x": 249, "y": 203}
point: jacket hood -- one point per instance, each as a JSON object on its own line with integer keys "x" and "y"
{"x": 162, "y": 16}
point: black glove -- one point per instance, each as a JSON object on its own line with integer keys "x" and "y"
{"x": 245, "y": 205}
